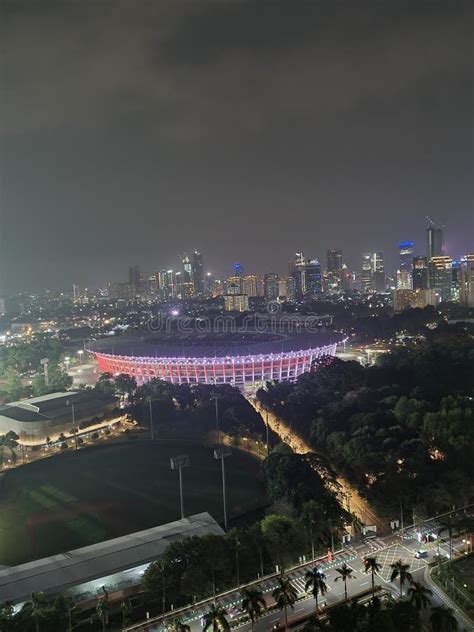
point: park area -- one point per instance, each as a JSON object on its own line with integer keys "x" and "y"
{"x": 79, "y": 498}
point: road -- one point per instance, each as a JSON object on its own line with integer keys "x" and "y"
{"x": 353, "y": 500}
{"x": 387, "y": 550}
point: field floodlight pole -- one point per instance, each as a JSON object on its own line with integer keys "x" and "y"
{"x": 177, "y": 463}
{"x": 222, "y": 453}
{"x": 73, "y": 413}
{"x": 268, "y": 442}
{"x": 152, "y": 434}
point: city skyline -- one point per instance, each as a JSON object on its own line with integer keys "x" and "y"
{"x": 248, "y": 131}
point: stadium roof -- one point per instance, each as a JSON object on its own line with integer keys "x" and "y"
{"x": 55, "y": 405}
{"x": 56, "y": 574}
{"x": 197, "y": 345}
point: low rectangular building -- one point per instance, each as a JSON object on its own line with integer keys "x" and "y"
{"x": 36, "y": 419}
{"x": 84, "y": 572}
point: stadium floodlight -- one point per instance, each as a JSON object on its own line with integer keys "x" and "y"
{"x": 177, "y": 463}
{"x": 222, "y": 453}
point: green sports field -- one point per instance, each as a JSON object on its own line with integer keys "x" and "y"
{"x": 79, "y": 498}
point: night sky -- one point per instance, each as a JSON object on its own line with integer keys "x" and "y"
{"x": 134, "y": 131}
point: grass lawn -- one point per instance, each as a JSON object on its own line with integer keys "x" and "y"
{"x": 79, "y": 498}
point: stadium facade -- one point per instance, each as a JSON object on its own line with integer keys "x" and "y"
{"x": 242, "y": 363}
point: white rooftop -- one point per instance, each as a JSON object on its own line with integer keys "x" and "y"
{"x": 57, "y": 573}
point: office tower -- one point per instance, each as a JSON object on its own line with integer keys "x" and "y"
{"x": 209, "y": 284}
{"x": 249, "y": 285}
{"x": 441, "y": 276}
{"x": 153, "y": 284}
{"x": 135, "y": 280}
{"x": 290, "y": 288}
{"x": 373, "y": 275}
{"x": 419, "y": 273}
{"x": 187, "y": 274}
{"x": 313, "y": 278}
{"x": 271, "y": 289}
{"x": 198, "y": 274}
{"x": 218, "y": 290}
{"x": 434, "y": 242}
{"x": 298, "y": 272}
{"x": 466, "y": 281}
{"x": 405, "y": 249}
{"x": 238, "y": 269}
{"x": 334, "y": 270}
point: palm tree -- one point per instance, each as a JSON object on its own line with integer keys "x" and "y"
{"x": 126, "y": 608}
{"x": 400, "y": 570}
{"x": 442, "y": 619}
{"x": 102, "y": 609}
{"x": 345, "y": 573}
{"x": 315, "y": 584}
{"x": 37, "y": 608}
{"x": 216, "y": 618}
{"x": 372, "y": 566}
{"x": 285, "y": 595}
{"x": 419, "y": 595}
{"x": 179, "y": 626}
{"x": 253, "y": 604}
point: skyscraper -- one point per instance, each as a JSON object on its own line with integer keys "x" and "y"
{"x": 420, "y": 273}
{"x": 441, "y": 276}
{"x": 334, "y": 270}
{"x": 135, "y": 280}
{"x": 373, "y": 275}
{"x": 249, "y": 285}
{"x": 434, "y": 242}
{"x": 271, "y": 289}
{"x": 313, "y": 278}
{"x": 198, "y": 274}
{"x": 406, "y": 256}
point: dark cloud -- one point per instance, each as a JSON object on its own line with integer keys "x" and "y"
{"x": 134, "y": 130}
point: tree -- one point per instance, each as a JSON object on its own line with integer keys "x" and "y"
{"x": 126, "y": 609}
{"x": 345, "y": 573}
{"x": 372, "y": 566}
{"x": 282, "y": 536}
{"x": 419, "y": 595}
{"x": 400, "y": 571}
{"x": 285, "y": 595}
{"x": 216, "y": 619}
{"x": 315, "y": 584}
{"x": 253, "y": 604}
{"x": 125, "y": 385}
{"x": 102, "y": 609}
{"x": 38, "y": 605}
{"x": 179, "y": 626}
{"x": 442, "y": 619}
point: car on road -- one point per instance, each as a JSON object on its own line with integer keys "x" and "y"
{"x": 421, "y": 554}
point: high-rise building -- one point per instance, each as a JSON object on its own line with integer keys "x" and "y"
{"x": 434, "y": 242}
{"x": 234, "y": 285}
{"x": 135, "y": 280}
{"x": 198, "y": 274}
{"x": 271, "y": 289}
{"x": 404, "y": 280}
{"x": 307, "y": 276}
{"x": 420, "y": 273}
{"x": 466, "y": 282}
{"x": 406, "y": 256}
{"x": 334, "y": 270}
{"x": 441, "y": 276}
{"x": 187, "y": 276}
{"x": 373, "y": 275}
{"x": 249, "y": 284}
{"x": 209, "y": 284}
{"x": 236, "y": 302}
{"x": 313, "y": 278}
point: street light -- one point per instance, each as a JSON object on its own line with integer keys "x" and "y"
{"x": 222, "y": 453}
{"x": 80, "y": 353}
{"x": 177, "y": 463}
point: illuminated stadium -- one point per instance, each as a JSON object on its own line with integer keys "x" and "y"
{"x": 238, "y": 359}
